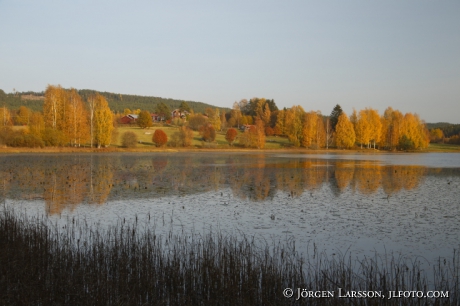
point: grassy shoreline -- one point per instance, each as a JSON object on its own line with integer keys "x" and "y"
{"x": 6, "y": 150}
{"x": 272, "y": 144}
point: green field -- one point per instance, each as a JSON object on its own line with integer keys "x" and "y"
{"x": 145, "y": 137}
{"x": 442, "y": 147}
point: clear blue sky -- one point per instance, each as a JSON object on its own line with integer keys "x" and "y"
{"x": 404, "y": 54}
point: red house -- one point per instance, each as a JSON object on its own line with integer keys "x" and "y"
{"x": 128, "y": 119}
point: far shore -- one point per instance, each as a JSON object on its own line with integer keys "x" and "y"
{"x": 116, "y": 149}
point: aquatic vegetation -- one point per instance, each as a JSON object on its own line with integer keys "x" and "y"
{"x": 78, "y": 264}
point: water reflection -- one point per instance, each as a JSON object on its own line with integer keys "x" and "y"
{"x": 65, "y": 181}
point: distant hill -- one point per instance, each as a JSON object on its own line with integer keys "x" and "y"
{"x": 117, "y": 102}
{"x": 448, "y": 129}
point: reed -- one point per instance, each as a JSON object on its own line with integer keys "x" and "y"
{"x": 44, "y": 264}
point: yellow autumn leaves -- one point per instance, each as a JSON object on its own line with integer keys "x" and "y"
{"x": 390, "y": 131}
{"x": 366, "y": 128}
{"x": 66, "y": 115}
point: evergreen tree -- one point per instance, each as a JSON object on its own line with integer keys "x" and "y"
{"x": 163, "y": 110}
{"x": 334, "y": 117}
{"x": 184, "y": 107}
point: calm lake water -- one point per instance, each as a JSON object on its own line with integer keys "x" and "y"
{"x": 354, "y": 204}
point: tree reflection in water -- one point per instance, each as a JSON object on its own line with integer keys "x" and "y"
{"x": 64, "y": 181}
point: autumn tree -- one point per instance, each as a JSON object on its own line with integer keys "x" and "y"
{"x": 36, "y": 124}
{"x": 256, "y": 106}
{"x": 144, "y": 120}
{"x": 182, "y": 137}
{"x": 129, "y": 139}
{"x": 391, "y": 128}
{"x": 414, "y": 134}
{"x": 54, "y": 111}
{"x": 320, "y": 131}
{"x": 235, "y": 115}
{"x": 263, "y": 112}
{"x": 230, "y": 136}
{"x": 102, "y": 122}
{"x": 309, "y": 126}
{"x": 214, "y": 118}
{"x": 280, "y": 123}
{"x": 208, "y": 133}
{"x": 53, "y": 137}
{"x": 91, "y": 109}
{"x": 345, "y": 134}
{"x": 254, "y": 136}
{"x": 363, "y": 128}
{"x": 159, "y": 138}
{"x": 247, "y": 120}
{"x": 294, "y": 124}
{"x": 260, "y": 128}
{"x": 436, "y": 135}
{"x": 196, "y": 121}
{"x": 269, "y": 131}
{"x": 249, "y": 137}
{"x": 64, "y": 111}
{"x": 5, "y": 117}
{"x": 223, "y": 121}
{"x": 375, "y": 125}
{"x": 77, "y": 125}
{"x": 23, "y": 116}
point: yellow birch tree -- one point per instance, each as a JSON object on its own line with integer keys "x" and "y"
{"x": 375, "y": 125}
{"x": 310, "y": 121}
{"x": 103, "y": 122}
{"x": 54, "y": 107}
{"x": 77, "y": 119}
{"x": 293, "y": 124}
{"x": 320, "y": 131}
{"x": 5, "y": 117}
{"x": 280, "y": 122}
{"x": 363, "y": 129}
{"x": 345, "y": 134}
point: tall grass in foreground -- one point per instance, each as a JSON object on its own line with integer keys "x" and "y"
{"x": 78, "y": 265}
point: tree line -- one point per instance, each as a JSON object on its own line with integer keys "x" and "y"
{"x": 66, "y": 119}
{"x": 366, "y": 128}
{"x": 75, "y": 118}
{"x": 117, "y": 102}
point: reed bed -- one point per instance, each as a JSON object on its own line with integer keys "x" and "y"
{"x": 42, "y": 264}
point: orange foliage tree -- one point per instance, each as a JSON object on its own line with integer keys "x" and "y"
{"x": 208, "y": 133}
{"x": 159, "y": 138}
{"x": 230, "y": 136}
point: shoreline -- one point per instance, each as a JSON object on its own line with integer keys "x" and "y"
{"x": 20, "y": 150}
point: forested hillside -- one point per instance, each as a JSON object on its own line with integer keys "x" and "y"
{"x": 117, "y": 102}
{"x": 448, "y": 129}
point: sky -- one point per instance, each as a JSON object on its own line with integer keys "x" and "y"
{"x": 358, "y": 54}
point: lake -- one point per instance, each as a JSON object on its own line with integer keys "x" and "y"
{"x": 356, "y": 205}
